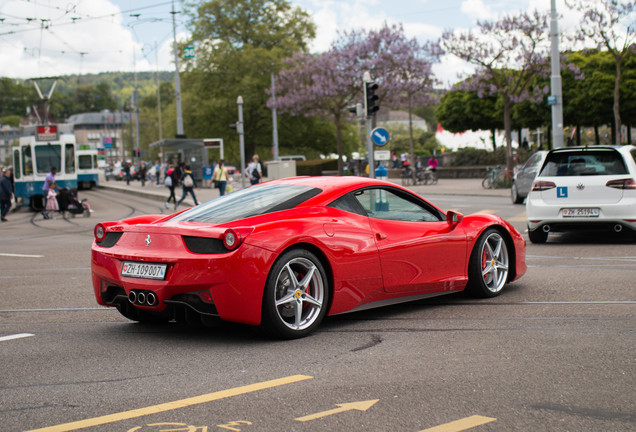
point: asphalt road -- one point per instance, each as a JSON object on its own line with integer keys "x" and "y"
{"x": 554, "y": 352}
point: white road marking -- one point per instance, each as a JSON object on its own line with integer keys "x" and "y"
{"x": 21, "y": 255}
{"x": 15, "y": 336}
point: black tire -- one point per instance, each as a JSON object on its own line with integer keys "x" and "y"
{"x": 296, "y": 295}
{"x": 514, "y": 194}
{"x": 486, "y": 183}
{"x": 538, "y": 236}
{"x": 488, "y": 269}
{"x": 36, "y": 202}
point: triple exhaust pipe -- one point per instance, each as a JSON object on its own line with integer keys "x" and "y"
{"x": 144, "y": 298}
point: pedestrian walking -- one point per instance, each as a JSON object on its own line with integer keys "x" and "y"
{"x": 6, "y": 193}
{"x": 189, "y": 183}
{"x": 254, "y": 170}
{"x": 220, "y": 177}
{"x": 170, "y": 183}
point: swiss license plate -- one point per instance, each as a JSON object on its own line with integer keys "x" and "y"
{"x": 580, "y": 212}
{"x": 144, "y": 270}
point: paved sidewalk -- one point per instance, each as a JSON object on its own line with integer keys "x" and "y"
{"x": 443, "y": 187}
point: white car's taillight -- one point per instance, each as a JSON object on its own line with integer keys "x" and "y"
{"x": 627, "y": 183}
{"x": 540, "y": 185}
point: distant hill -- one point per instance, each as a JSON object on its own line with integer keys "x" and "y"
{"x": 121, "y": 83}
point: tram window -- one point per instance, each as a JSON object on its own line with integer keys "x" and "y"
{"x": 27, "y": 161}
{"x": 47, "y": 157}
{"x": 84, "y": 162}
{"x": 17, "y": 170}
{"x": 70, "y": 158}
{"x": 95, "y": 164}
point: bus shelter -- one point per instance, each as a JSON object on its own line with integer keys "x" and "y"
{"x": 190, "y": 151}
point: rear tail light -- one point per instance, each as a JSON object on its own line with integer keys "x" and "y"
{"x": 231, "y": 239}
{"x": 100, "y": 232}
{"x": 540, "y": 185}
{"x": 627, "y": 183}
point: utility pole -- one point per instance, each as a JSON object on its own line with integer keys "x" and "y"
{"x": 556, "y": 98}
{"x": 177, "y": 81}
{"x": 159, "y": 102}
{"x": 136, "y": 105}
{"x": 240, "y": 130}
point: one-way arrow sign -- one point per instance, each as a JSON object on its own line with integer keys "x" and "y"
{"x": 380, "y": 136}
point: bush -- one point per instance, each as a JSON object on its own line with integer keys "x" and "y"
{"x": 315, "y": 167}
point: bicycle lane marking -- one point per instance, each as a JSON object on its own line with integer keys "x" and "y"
{"x": 462, "y": 424}
{"x": 169, "y": 406}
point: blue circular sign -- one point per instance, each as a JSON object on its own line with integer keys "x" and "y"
{"x": 380, "y": 136}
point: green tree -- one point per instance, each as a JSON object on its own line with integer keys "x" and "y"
{"x": 239, "y": 45}
{"x": 15, "y": 97}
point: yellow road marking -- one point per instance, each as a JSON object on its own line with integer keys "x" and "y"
{"x": 521, "y": 217}
{"x": 169, "y": 406}
{"x": 360, "y": 406}
{"x": 488, "y": 211}
{"x": 461, "y": 424}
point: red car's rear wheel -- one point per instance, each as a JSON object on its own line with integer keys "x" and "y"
{"x": 296, "y": 295}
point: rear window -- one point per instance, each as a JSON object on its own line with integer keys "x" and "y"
{"x": 248, "y": 202}
{"x": 583, "y": 163}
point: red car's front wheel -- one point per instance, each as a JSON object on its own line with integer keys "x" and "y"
{"x": 489, "y": 264}
{"x": 296, "y": 295}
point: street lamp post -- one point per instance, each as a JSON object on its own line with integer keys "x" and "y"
{"x": 240, "y": 130}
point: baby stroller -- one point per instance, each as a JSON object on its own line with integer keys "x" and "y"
{"x": 68, "y": 202}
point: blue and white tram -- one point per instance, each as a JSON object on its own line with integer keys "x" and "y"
{"x": 87, "y": 169}
{"x": 42, "y": 148}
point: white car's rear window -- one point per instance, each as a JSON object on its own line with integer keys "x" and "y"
{"x": 583, "y": 163}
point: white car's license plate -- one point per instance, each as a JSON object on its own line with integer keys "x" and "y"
{"x": 580, "y": 212}
{"x": 143, "y": 270}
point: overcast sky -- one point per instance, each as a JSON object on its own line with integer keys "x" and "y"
{"x": 40, "y": 38}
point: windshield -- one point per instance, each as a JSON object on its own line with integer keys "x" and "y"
{"x": 252, "y": 201}
{"x": 584, "y": 162}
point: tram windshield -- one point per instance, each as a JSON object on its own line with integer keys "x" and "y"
{"x": 47, "y": 157}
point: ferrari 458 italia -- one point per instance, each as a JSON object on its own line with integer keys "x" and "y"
{"x": 285, "y": 253}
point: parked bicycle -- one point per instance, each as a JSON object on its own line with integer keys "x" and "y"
{"x": 426, "y": 176}
{"x": 497, "y": 177}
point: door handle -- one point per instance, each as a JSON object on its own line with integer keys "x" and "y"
{"x": 380, "y": 236}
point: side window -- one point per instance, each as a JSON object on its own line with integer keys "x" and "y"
{"x": 533, "y": 162}
{"x": 385, "y": 204}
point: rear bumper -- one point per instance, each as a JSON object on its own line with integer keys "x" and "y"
{"x": 540, "y": 214}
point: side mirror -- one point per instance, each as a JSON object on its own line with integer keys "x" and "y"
{"x": 453, "y": 218}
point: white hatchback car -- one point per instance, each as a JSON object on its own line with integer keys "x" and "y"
{"x": 583, "y": 187}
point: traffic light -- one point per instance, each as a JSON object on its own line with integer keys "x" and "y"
{"x": 370, "y": 97}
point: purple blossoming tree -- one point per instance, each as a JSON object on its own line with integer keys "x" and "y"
{"x": 610, "y": 24}
{"x": 327, "y": 84}
{"x": 509, "y": 54}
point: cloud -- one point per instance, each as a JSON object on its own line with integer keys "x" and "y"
{"x": 58, "y": 38}
{"x": 477, "y": 9}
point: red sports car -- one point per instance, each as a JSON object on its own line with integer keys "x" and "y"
{"x": 285, "y": 253}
